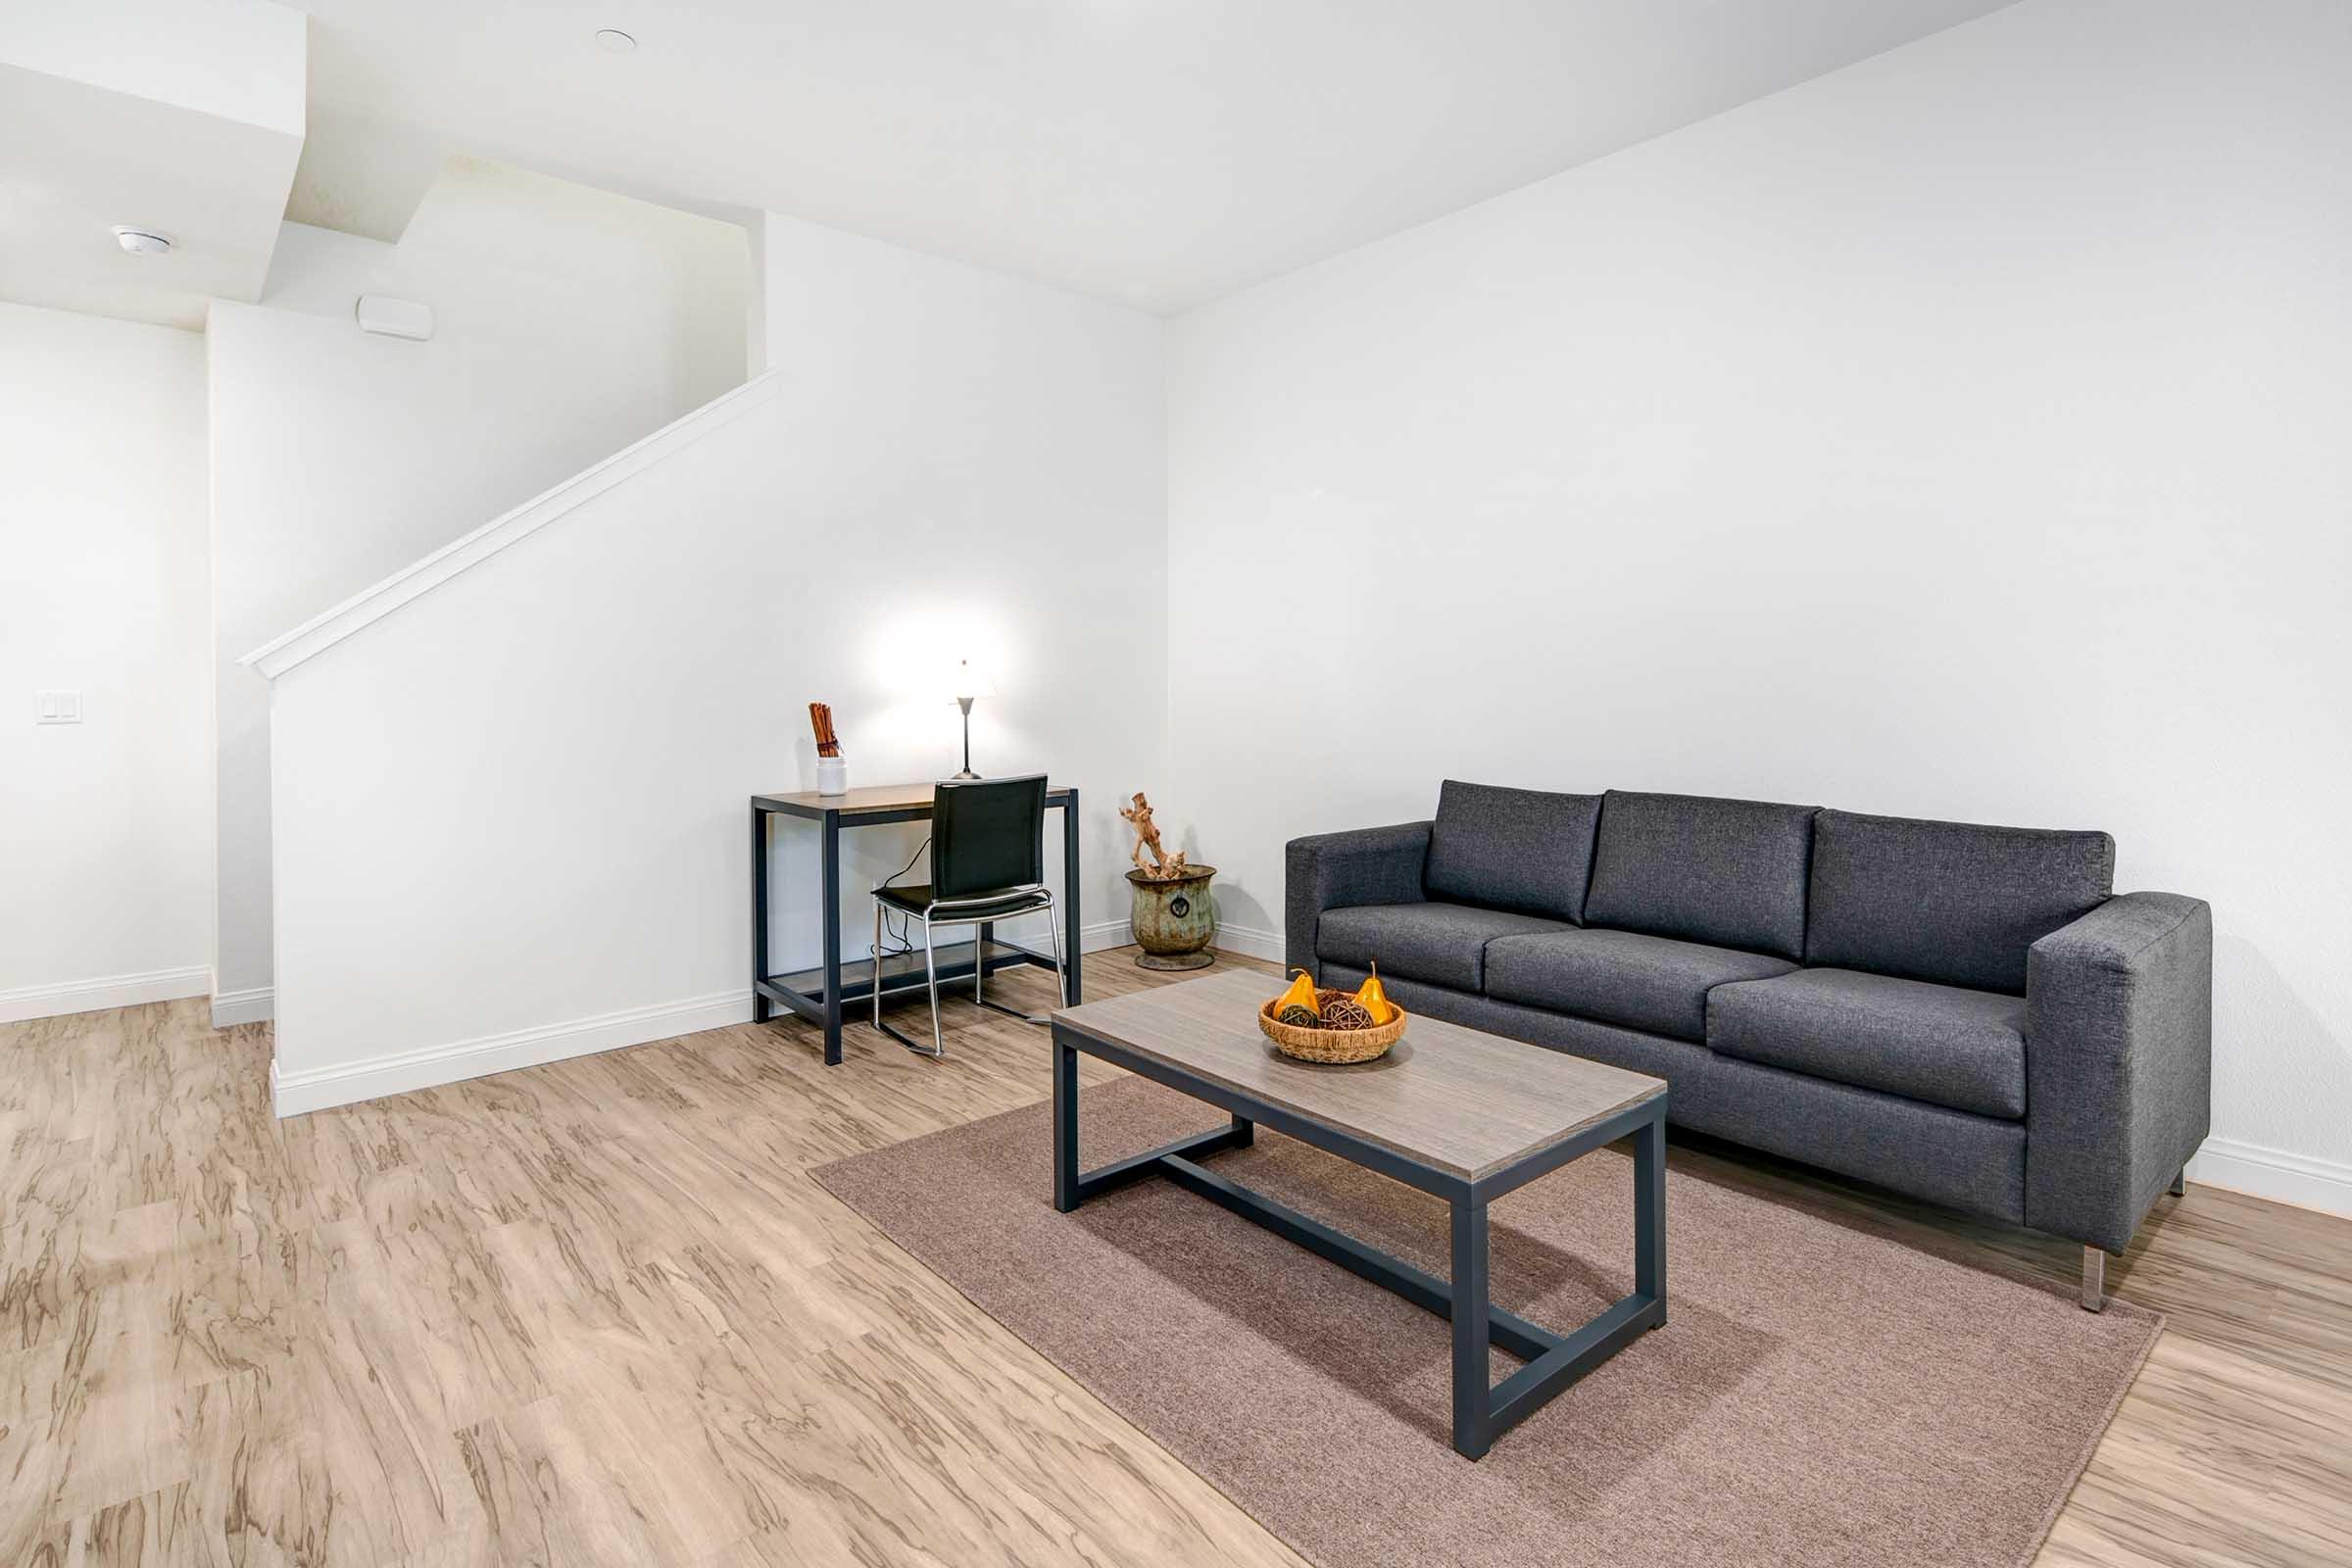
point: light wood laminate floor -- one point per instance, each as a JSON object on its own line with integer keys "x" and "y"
{"x": 595, "y": 1312}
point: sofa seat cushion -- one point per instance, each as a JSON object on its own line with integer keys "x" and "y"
{"x": 1442, "y": 944}
{"x": 1621, "y": 977}
{"x": 1504, "y": 849}
{"x": 1961, "y": 1050}
{"x": 1727, "y": 872}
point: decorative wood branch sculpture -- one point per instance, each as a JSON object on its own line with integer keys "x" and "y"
{"x": 821, "y": 720}
{"x": 1160, "y": 865}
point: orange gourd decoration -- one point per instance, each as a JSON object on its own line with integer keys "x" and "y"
{"x": 1375, "y": 1000}
{"x": 1301, "y": 995}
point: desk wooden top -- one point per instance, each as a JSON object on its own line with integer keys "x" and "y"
{"x": 871, "y": 800}
{"x": 1460, "y": 1100}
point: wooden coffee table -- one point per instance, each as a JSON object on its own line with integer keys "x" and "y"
{"x": 1458, "y": 1113}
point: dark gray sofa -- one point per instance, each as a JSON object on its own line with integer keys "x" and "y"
{"x": 1966, "y": 1015}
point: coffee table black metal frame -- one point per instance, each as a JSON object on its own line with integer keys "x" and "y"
{"x": 1482, "y": 1412}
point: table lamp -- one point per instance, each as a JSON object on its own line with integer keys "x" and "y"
{"x": 969, "y": 682}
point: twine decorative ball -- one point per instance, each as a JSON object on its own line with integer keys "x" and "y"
{"x": 1299, "y": 1017}
{"x": 1345, "y": 1012}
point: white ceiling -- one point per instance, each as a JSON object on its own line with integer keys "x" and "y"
{"x": 163, "y": 115}
{"x": 1160, "y": 152}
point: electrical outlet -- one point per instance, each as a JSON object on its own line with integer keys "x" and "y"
{"x": 57, "y": 707}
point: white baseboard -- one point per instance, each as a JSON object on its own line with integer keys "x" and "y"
{"x": 401, "y": 1071}
{"x": 1104, "y": 933}
{"x": 241, "y": 1007}
{"x": 113, "y": 991}
{"x": 398, "y": 1073}
{"x": 1250, "y": 941}
{"x": 2273, "y": 1173}
{"x": 254, "y": 1007}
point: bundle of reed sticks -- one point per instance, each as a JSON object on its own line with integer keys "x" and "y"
{"x": 821, "y": 720}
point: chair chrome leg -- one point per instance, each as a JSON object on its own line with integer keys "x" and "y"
{"x": 939, "y": 1042}
{"x": 2094, "y": 1279}
{"x": 2180, "y": 1183}
{"x": 1054, "y": 930}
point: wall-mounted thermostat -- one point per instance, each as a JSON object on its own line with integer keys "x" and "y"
{"x": 382, "y": 313}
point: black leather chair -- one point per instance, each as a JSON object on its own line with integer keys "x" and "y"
{"x": 988, "y": 863}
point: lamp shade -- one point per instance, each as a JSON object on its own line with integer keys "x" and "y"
{"x": 969, "y": 680}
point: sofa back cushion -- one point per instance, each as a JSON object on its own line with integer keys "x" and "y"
{"x": 1525, "y": 850}
{"x": 1730, "y": 873}
{"x": 1949, "y": 901}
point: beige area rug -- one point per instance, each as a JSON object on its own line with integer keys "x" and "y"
{"x": 1822, "y": 1395}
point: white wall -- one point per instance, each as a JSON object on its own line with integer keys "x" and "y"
{"x": 106, "y": 825}
{"x": 1961, "y": 435}
{"x": 538, "y": 772}
{"x": 569, "y": 323}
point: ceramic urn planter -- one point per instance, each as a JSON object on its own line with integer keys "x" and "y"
{"x": 1174, "y": 918}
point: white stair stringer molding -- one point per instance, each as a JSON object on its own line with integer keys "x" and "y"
{"x": 372, "y": 605}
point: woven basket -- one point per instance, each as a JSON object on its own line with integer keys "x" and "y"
{"x": 1331, "y": 1045}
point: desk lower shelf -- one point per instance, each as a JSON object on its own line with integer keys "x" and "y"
{"x": 804, "y": 989}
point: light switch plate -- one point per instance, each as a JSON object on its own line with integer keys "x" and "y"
{"x": 57, "y": 707}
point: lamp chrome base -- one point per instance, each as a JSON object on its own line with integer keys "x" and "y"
{"x": 966, "y": 703}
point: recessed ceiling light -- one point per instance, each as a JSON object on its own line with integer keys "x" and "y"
{"x": 142, "y": 241}
{"x": 617, "y": 41}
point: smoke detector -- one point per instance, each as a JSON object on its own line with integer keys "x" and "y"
{"x": 616, "y": 40}
{"x": 142, "y": 241}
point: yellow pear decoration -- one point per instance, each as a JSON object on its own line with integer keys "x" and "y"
{"x": 1375, "y": 1000}
{"x": 1301, "y": 995}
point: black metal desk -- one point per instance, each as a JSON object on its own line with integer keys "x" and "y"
{"x": 818, "y": 994}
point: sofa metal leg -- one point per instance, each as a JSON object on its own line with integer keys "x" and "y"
{"x": 2180, "y": 1183}
{"x": 2094, "y": 1280}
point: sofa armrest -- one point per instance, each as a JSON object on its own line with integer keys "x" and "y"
{"x": 2119, "y": 1062}
{"x": 1336, "y": 870}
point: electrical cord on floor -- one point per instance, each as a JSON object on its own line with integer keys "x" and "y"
{"x": 893, "y": 928}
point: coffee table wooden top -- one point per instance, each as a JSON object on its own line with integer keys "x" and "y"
{"x": 1462, "y": 1101}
